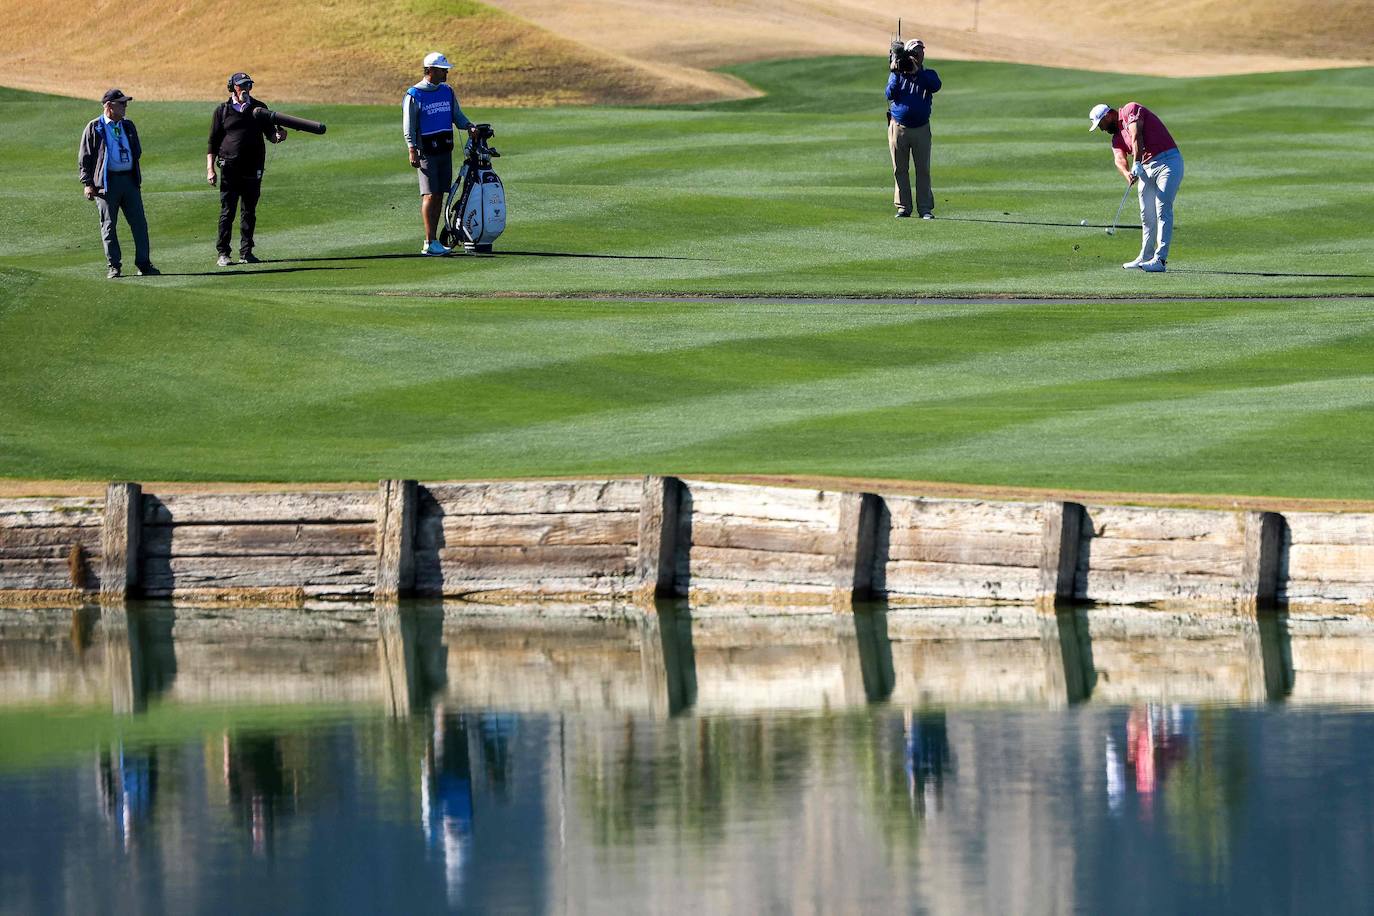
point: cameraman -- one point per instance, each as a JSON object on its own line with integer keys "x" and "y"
{"x": 237, "y": 146}
{"x": 909, "y": 91}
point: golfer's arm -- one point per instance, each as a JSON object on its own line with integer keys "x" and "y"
{"x": 209, "y": 162}
{"x": 1121, "y": 165}
{"x": 1134, "y": 128}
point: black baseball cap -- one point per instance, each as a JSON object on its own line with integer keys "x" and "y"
{"x": 240, "y": 79}
{"x": 115, "y": 95}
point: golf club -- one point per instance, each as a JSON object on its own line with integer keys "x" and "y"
{"x": 1124, "y": 195}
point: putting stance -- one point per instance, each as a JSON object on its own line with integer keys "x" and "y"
{"x": 909, "y": 90}
{"x": 107, "y": 164}
{"x": 428, "y": 113}
{"x": 1158, "y": 170}
{"x": 237, "y": 147}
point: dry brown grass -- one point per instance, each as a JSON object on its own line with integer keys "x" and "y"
{"x": 579, "y": 51}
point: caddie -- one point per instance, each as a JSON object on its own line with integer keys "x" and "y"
{"x": 1138, "y": 133}
{"x": 429, "y": 112}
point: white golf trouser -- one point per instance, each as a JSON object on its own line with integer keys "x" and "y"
{"x": 1159, "y": 187}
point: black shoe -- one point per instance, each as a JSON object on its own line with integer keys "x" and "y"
{"x": 148, "y": 270}
{"x": 903, "y": 214}
{"x": 250, "y": 258}
{"x": 113, "y": 274}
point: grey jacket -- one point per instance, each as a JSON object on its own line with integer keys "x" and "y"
{"x": 90, "y": 155}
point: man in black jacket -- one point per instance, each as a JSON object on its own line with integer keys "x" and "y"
{"x": 237, "y": 147}
{"x": 107, "y": 165}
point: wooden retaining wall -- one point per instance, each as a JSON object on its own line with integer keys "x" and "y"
{"x": 663, "y": 537}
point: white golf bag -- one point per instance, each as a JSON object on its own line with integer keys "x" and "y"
{"x": 475, "y": 211}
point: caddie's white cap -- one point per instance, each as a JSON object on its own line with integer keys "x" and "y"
{"x": 1097, "y": 114}
{"x": 435, "y": 59}
{"x": 914, "y": 44}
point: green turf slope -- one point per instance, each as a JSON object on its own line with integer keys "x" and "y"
{"x": 343, "y": 360}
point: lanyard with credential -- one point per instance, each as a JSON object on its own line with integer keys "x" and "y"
{"x": 119, "y": 138}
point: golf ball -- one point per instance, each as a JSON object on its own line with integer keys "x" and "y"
{"x": 1082, "y": 222}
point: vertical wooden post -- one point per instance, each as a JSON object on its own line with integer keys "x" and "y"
{"x": 396, "y": 511}
{"x": 1060, "y": 535}
{"x": 1259, "y": 585}
{"x": 120, "y": 538}
{"x": 858, "y": 537}
{"x": 658, "y": 547}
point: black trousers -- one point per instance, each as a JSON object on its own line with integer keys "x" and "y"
{"x": 238, "y": 190}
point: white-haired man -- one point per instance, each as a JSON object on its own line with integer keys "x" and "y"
{"x": 1138, "y": 133}
{"x": 429, "y": 112}
{"x": 909, "y": 89}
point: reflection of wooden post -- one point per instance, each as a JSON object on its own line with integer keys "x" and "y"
{"x": 658, "y": 547}
{"x": 1259, "y": 585}
{"x": 119, "y": 540}
{"x": 396, "y": 538}
{"x": 1060, "y": 534}
{"x": 858, "y": 537}
{"x": 394, "y": 652}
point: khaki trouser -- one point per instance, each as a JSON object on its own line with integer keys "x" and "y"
{"x": 911, "y": 144}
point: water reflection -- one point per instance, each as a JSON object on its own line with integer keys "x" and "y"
{"x": 415, "y": 758}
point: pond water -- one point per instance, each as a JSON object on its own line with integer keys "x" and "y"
{"x": 988, "y": 760}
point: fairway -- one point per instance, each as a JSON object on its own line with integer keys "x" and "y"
{"x": 346, "y": 358}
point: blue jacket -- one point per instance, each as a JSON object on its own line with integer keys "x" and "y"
{"x": 910, "y": 96}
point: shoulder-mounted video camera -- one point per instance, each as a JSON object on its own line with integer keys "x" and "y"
{"x": 899, "y": 59}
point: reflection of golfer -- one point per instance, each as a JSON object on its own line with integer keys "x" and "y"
{"x": 429, "y": 111}
{"x": 1137, "y": 132}
{"x": 107, "y": 164}
{"x": 909, "y": 91}
{"x": 237, "y": 147}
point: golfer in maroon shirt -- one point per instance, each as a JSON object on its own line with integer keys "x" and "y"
{"x": 1138, "y": 134}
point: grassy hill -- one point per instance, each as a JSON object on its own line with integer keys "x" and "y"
{"x": 339, "y": 51}
{"x": 349, "y": 358}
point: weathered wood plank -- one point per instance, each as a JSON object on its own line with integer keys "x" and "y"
{"x": 761, "y": 565}
{"x": 88, "y": 536}
{"x": 567, "y": 528}
{"x": 1132, "y": 523}
{"x": 1332, "y": 563}
{"x": 1183, "y": 557}
{"x": 120, "y": 540}
{"x": 35, "y": 572}
{"x": 710, "y": 589}
{"x": 258, "y": 540}
{"x": 1260, "y": 571}
{"x": 711, "y": 530}
{"x": 945, "y": 580}
{"x": 532, "y": 497}
{"x": 258, "y": 572}
{"x": 1314, "y": 528}
{"x": 657, "y": 542}
{"x": 532, "y": 563}
{"x": 430, "y": 585}
{"x": 54, "y": 512}
{"x": 1116, "y": 587}
{"x": 1308, "y": 593}
{"x": 1061, "y": 537}
{"x": 251, "y": 508}
{"x": 965, "y": 547}
{"x": 817, "y": 506}
{"x": 855, "y": 548}
{"x": 963, "y": 515}
{"x": 397, "y": 502}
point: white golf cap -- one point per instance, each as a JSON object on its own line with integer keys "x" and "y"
{"x": 1097, "y": 114}
{"x": 435, "y": 59}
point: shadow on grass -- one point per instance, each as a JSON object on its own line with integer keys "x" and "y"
{"x": 493, "y": 254}
{"x": 232, "y": 272}
{"x": 1269, "y": 273}
{"x": 1026, "y": 222}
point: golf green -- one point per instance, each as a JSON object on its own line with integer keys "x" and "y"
{"x": 345, "y": 357}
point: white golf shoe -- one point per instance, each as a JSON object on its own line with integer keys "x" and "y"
{"x": 1132, "y": 265}
{"x": 1155, "y": 266}
{"x": 434, "y": 249}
